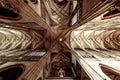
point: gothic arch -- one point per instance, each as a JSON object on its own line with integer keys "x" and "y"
{"x": 11, "y": 72}
{"x": 111, "y": 72}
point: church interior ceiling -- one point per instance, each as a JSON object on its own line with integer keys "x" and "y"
{"x": 75, "y": 39}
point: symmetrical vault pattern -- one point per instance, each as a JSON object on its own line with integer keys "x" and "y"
{"x": 56, "y": 32}
{"x": 98, "y": 39}
{"x": 11, "y": 39}
{"x": 58, "y": 11}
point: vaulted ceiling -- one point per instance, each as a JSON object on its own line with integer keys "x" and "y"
{"x": 47, "y": 23}
{"x": 59, "y": 26}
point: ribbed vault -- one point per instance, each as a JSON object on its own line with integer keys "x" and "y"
{"x": 53, "y": 31}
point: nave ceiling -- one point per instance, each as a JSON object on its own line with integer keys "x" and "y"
{"x": 54, "y": 18}
{"x": 52, "y": 31}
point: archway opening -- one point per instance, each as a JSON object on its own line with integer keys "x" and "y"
{"x": 11, "y": 73}
{"x": 8, "y": 14}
